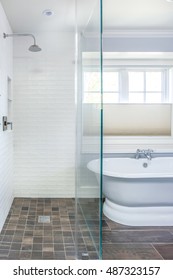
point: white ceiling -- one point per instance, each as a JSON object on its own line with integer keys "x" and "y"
{"x": 26, "y": 15}
{"x": 138, "y": 14}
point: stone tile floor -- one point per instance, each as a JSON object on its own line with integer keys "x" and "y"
{"x": 122, "y": 242}
{"x": 24, "y": 237}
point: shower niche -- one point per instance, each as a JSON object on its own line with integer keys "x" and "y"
{"x": 9, "y": 103}
{"x": 7, "y": 120}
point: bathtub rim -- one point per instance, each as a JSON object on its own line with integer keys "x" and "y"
{"x": 94, "y": 169}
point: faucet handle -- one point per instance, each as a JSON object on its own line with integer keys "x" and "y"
{"x": 137, "y": 154}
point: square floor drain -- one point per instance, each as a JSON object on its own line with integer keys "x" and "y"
{"x": 43, "y": 219}
{"x": 85, "y": 256}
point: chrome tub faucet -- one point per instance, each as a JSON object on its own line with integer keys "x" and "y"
{"x": 146, "y": 153}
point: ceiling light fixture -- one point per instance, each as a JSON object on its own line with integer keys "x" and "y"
{"x": 47, "y": 13}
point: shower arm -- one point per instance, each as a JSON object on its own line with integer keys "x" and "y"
{"x": 19, "y": 34}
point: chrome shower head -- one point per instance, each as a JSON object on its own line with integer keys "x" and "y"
{"x": 32, "y": 48}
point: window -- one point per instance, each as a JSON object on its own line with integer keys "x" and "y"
{"x": 110, "y": 87}
{"x": 148, "y": 86}
{"x": 91, "y": 87}
{"x": 128, "y": 85}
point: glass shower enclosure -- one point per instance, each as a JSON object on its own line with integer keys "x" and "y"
{"x": 89, "y": 116}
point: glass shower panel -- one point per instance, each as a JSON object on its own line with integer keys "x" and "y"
{"x": 89, "y": 130}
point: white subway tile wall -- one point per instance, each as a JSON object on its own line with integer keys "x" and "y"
{"x": 6, "y": 137}
{"x": 44, "y": 117}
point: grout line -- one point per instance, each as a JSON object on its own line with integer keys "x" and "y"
{"x": 157, "y": 251}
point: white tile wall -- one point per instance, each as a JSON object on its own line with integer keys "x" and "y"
{"x": 6, "y": 137}
{"x": 44, "y": 117}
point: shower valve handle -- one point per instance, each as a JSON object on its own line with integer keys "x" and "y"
{"x": 11, "y": 124}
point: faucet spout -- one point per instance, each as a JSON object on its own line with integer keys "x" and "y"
{"x": 146, "y": 153}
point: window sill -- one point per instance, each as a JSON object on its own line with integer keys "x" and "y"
{"x": 128, "y": 144}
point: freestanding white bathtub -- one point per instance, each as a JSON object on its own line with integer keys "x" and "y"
{"x": 138, "y": 192}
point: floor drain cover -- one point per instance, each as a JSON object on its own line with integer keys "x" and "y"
{"x": 43, "y": 219}
{"x": 85, "y": 256}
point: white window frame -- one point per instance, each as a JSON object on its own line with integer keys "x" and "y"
{"x": 124, "y": 84}
{"x": 165, "y": 93}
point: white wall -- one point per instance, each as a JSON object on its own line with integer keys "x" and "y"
{"x": 6, "y": 137}
{"x": 44, "y": 116}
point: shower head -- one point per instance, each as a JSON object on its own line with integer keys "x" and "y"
{"x": 32, "y": 48}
